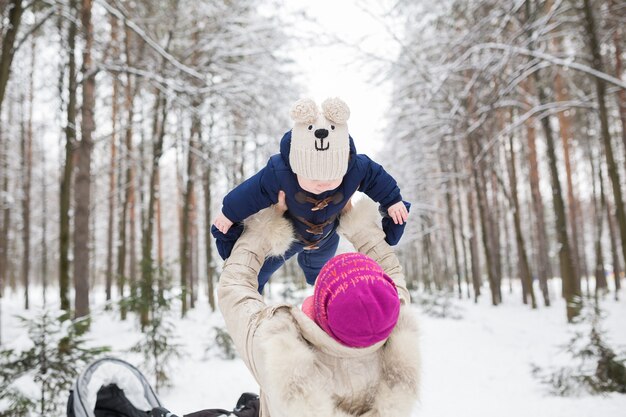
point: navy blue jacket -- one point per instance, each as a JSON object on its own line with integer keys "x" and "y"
{"x": 261, "y": 191}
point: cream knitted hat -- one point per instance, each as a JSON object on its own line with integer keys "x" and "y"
{"x": 320, "y": 145}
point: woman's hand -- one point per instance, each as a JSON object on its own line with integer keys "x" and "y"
{"x": 281, "y": 206}
{"x": 347, "y": 207}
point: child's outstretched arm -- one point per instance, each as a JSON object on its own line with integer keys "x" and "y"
{"x": 223, "y": 223}
{"x": 382, "y": 188}
{"x": 379, "y": 185}
{"x": 249, "y": 197}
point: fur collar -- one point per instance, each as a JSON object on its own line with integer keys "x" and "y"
{"x": 272, "y": 228}
{"x": 297, "y": 375}
{"x": 364, "y": 215}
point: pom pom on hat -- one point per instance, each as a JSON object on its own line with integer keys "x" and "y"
{"x": 354, "y": 301}
{"x": 304, "y": 111}
{"x": 336, "y": 109}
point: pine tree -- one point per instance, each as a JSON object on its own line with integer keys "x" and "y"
{"x": 158, "y": 345}
{"x": 57, "y": 354}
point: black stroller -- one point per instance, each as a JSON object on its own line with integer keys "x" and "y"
{"x": 111, "y": 387}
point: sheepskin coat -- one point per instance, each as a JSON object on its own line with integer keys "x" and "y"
{"x": 261, "y": 190}
{"x": 300, "y": 369}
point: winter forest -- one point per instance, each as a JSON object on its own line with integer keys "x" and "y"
{"x": 124, "y": 123}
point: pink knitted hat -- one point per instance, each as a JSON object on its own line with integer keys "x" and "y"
{"x": 354, "y": 301}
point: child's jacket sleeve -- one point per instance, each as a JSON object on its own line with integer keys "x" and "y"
{"x": 252, "y": 195}
{"x": 225, "y": 241}
{"x": 249, "y": 197}
{"x": 383, "y": 188}
{"x": 378, "y": 184}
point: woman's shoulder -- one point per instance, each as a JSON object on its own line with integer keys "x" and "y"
{"x": 280, "y": 345}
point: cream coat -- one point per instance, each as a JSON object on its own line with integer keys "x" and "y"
{"x": 301, "y": 370}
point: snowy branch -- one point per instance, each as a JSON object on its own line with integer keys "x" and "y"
{"x": 149, "y": 41}
{"x": 544, "y": 56}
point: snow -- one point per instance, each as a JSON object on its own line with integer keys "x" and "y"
{"x": 478, "y": 365}
{"x": 481, "y": 365}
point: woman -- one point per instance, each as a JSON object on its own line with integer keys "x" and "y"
{"x": 356, "y": 351}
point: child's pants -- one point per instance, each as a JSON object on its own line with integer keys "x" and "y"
{"x": 311, "y": 261}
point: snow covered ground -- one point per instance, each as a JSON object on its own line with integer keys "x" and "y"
{"x": 478, "y": 365}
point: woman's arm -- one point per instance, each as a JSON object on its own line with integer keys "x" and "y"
{"x": 361, "y": 226}
{"x": 265, "y": 234}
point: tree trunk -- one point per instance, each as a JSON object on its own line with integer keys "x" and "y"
{"x": 68, "y": 168}
{"x": 147, "y": 139}
{"x": 601, "y": 283}
{"x": 460, "y": 214}
{"x": 493, "y": 224}
{"x": 185, "y": 246}
{"x": 543, "y": 262}
{"x": 159, "y": 237}
{"x": 159, "y": 224}
{"x": 443, "y": 277}
{"x": 127, "y": 198}
{"x": 4, "y": 238}
{"x": 82, "y": 196}
{"x": 8, "y": 43}
{"x": 6, "y": 211}
{"x": 525, "y": 273}
{"x": 561, "y": 95}
{"x": 27, "y": 173}
{"x": 126, "y": 186}
{"x": 193, "y": 250}
{"x": 473, "y": 244}
{"x": 583, "y": 244}
{"x": 479, "y": 185}
{"x": 620, "y": 95}
{"x": 604, "y": 123}
{"x": 92, "y": 240}
{"x": 112, "y": 164}
{"x": 452, "y": 226}
{"x": 44, "y": 224}
{"x": 410, "y": 265}
{"x": 185, "y": 252}
{"x": 459, "y": 208}
{"x": 571, "y": 288}
{"x": 617, "y": 269}
{"x": 427, "y": 261}
{"x": 147, "y": 267}
{"x": 132, "y": 234}
{"x": 208, "y": 217}
{"x": 612, "y": 235}
{"x": 238, "y": 147}
{"x": 482, "y": 209}
{"x": 509, "y": 262}
{"x": 565, "y": 130}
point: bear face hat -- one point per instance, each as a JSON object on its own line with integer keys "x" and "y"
{"x": 320, "y": 144}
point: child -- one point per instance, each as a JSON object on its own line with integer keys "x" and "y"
{"x": 318, "y": 169}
